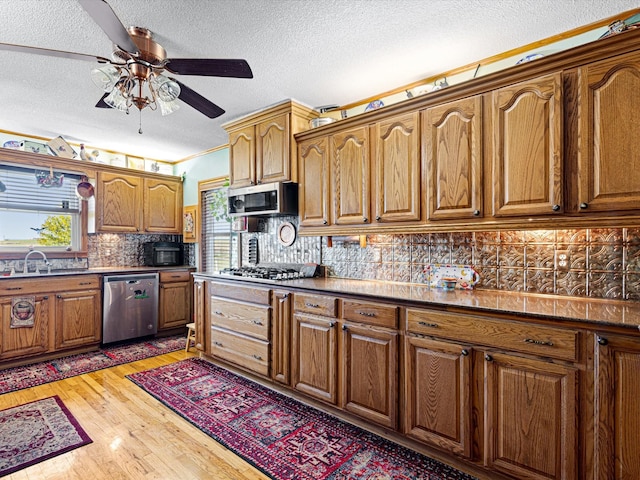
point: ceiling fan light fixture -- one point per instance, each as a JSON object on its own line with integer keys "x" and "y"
{"x": 166, "y": 89}
{"x": 167, "y": 108}
{"x": 105, "y": 77}
{"x": 117, "y": 100}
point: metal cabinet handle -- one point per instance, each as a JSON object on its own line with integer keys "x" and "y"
{"x": 332, "y": 324}
{"x": 488, "y": 358}
{"x": 584, "y": 205}
{"x": 476, "y": 213}
{"x": 426, "y": 324}
{"x": 602, "y": 341}
{"x": 548, "y": 343}
{"x": 218, "y": 313}
{"x": 217, "y": 344}
{"x": 46, "y": 297}
{"x": 14, "y": 288}
{"x": 378, "y": 218}
{"x": 58, "y": 296}
{"x": 344, "y": 327}
{"x": 367, "y": 314}
{"x": 464, "y": 352}
{"x": 324, "y": 222}
{"x": 365, "y": 219}
{"x": 257, "y": 357}
{"x": 312, "y": 305}
{"x": 84, "y": 283}
{"x": 555, "y": 208}
{"x": 256, "y": 322}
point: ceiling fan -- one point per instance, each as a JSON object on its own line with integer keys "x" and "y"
{"x": 134, "y": 76}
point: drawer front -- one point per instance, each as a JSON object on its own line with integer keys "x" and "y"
{"x": 316, "y": 304}
{"x": 513, "y": 336}
{"x": 48, "y": 284}
{"x": 244, "y": 351}
{"x": 370, "y": 313}
{"x": 252, "y": 320}
{"x": 239, "y": 292}
{"x": 174, "y": 276}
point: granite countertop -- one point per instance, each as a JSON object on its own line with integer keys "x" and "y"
{"x": 94, "y": 271}
{"x": 619, "y": 313}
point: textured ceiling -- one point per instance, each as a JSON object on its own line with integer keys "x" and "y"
{"x": 318, "y": 52}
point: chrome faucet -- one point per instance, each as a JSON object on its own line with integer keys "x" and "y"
{"x": 46, "y": 262}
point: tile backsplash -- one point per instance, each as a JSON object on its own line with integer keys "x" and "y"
{"x": 603, "y": 263}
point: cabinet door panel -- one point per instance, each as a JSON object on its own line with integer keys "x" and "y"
{"x": 314, "y": 200}
{"x": 242, "y": 157}
{"x": 370, "y": 373}
{"x": 162, "y": 206}
{"x": 617, "y": 408}
{"x": 272, "y": 150}
{"x": 453, "y": 146}
{"x": 78, "y": 318}
{"x": 438, "y": 394}
{"x": 281, "y": 337}
{"x": 609, "y": 157}
{"x": 397, "y": 172}
{"x": 527, "y": 150}
{"x": 315, "y": 357}
{"x": 24, "y": 341}
{"x": 175, "y": 305}
{"x": 530, "y": 422}
{"x": 350, "y": 167}
{"x": 118, "y": 201}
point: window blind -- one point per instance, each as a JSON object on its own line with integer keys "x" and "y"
{"x": 39, "y": 190}
{"x": 220, "y": 245}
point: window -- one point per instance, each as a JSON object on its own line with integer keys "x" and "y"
{"x": 39, "y": 209}
{"x": 219, "y": 244}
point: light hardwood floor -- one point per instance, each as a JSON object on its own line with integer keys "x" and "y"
{"x": 134, "y": 436}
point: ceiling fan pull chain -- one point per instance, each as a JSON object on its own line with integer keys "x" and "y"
{"x": 140, "y": 128}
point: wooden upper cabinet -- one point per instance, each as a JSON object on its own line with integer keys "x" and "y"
{"x": 272, "y": 150}
{"x": 397, "y": 185}
{"x": 314, "y": 194}
{"x": 528, "y": 148}
{"x": 453, "y": 145}
{"x": 162, "y": 206}
{"x": 118, "y": 202}
{"x": 242, "y": 157}
{"x": 350, "y": 169}
{"x": 609, "y": 152}
{"x": 261, "y": 145}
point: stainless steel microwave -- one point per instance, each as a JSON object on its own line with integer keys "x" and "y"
{"x": 264, "y": 199}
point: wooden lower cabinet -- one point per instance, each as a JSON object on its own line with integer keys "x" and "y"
{"x": 617, "y": 394}
{"x": 175, "y": 299}
{"x": 78, "y": 318}
{"x": 369, "y": 364}
{"x": 26, "y": 341}
{"x": 281, "y": 337}
{"x": 438, "y": 382}
{"x": 199, "y": 314}
{"x": 315, "y": 356}
{"x": 531, "y": 410}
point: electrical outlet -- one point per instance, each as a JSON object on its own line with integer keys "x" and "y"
{"x": 563, "y": 260}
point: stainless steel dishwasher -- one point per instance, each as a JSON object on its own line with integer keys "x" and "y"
{"x": 130, "y": 306}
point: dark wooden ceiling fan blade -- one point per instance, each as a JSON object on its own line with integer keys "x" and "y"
{"x": 101, "y": 103}
{"x": 210, "y": 67}
{"x": 106, "y": 19}
{"x": 52, "y": 53}
{"x": 198, "y": 102}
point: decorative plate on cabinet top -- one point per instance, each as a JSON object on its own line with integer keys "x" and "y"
{"x": 286, "y": 234}
{"x": 376, "y": 104}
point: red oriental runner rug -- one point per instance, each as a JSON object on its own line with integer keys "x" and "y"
{"x": 37, "y": 431}
{"x": 17, "y": 378}
{"x": 282, "y": 437}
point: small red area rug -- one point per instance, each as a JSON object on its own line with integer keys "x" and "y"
{"x": 27, "y": 376}
{"x": 37, "y": 431}
{"x": 282, "y": 437}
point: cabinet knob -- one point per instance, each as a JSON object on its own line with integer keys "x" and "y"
{"x": 365, "y": 219}
{"x": 602, "y": 341}
{"x": 344, "y": 327}
{"x": 584, "y": 205}
{"x": 46, "y": 297}
{"x": 555, "y": 208}
{"x": 464, "y": 352}
{"x": 58, "y": 296}
{"x": 488, "y": 358}
{"x": 378, "y": 218}
{"x": 324, "y": 222}
{"x": 476, "y": 213}
{"x": 332, "y": 324}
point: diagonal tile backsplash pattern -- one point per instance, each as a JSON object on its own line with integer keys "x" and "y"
{"x": 603, "y": 263}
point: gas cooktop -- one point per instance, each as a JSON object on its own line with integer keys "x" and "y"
{"x": 273, "y": 271}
